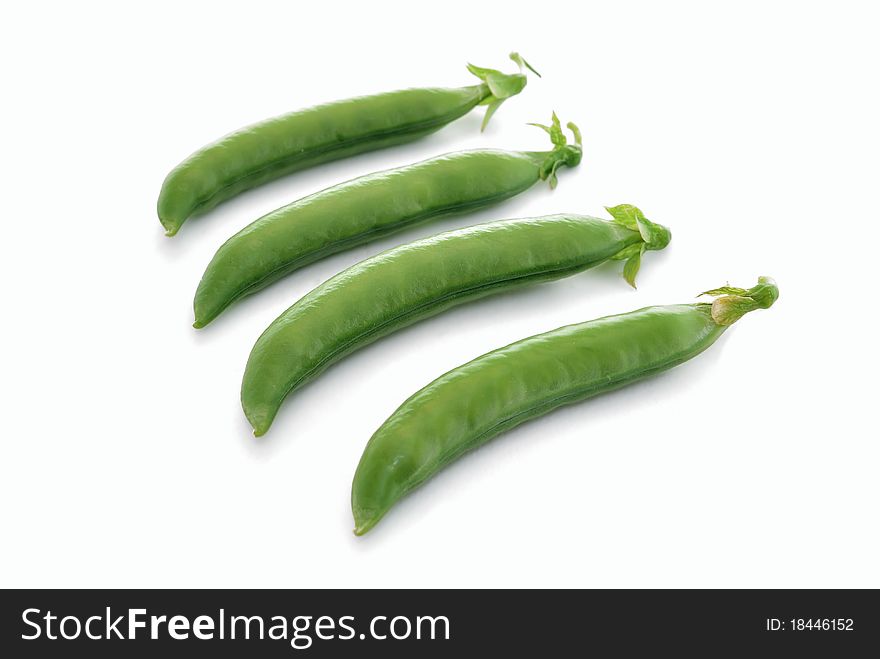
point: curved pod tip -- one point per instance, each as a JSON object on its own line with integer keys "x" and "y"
{"x": 364, "y": 520}
{"x": 260, "y": 419}
{"x": 169, "y": 217}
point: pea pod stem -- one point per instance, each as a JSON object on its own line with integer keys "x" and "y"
{"x": 734, "y": 303}
{"x": 282, "y": 145}
{"x": 564, "y": 153}
{"x": 477, "y": 401}
{"x": 365, "y": 208}
{"x": 500, "y": 86}
{"x": 415, "y": 281}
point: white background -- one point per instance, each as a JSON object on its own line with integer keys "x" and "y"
{"x": 751, "y": 131}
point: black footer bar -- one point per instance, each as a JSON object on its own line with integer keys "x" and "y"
{"x": 427, "y": 623}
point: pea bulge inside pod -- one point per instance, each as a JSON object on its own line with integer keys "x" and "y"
{"x": 415, "y": 281}
{"x": 366, "y": 208}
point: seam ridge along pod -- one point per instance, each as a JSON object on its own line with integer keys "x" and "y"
{"x": 415, "y": 281}
{"x": 472, "y": 403}
{"x": 357, "y": 211}
{"x": 269, "y": 149}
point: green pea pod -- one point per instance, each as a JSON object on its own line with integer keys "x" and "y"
{"x": 365, "y": 208}
{"x": 408, "y": 283}
{"x": 267, "y": 150}
{"x": 473, "y": 403}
